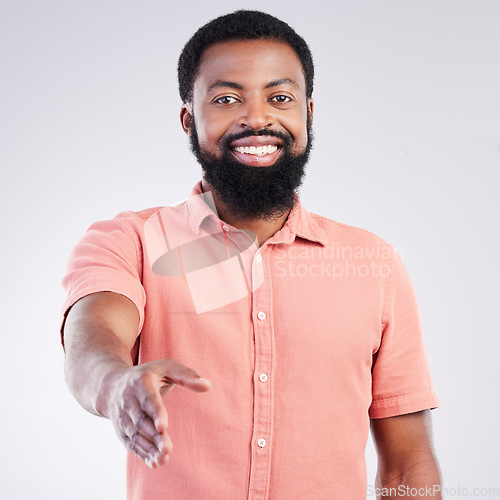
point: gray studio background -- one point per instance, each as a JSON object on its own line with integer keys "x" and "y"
{"x": 407, "y": 126}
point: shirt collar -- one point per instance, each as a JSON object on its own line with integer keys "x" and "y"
{"x": 200, "y": 206}
{"x": 299, "y": 223}
{"x": 303, "y": 224}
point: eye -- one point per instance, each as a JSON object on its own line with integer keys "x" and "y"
{"x": 226, "y": 99}
{"x": 281, "y": 99}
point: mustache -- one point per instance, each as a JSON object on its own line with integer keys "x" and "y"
{"x": 226, "y": 140}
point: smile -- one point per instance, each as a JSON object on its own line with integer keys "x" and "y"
{"x": 257, "y": 150}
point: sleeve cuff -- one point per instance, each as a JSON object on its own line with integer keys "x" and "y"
{"x": 109, "y": 287}
{"x": 401, "y": 405}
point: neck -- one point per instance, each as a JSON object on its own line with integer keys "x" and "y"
{"x": 262, "y": 228}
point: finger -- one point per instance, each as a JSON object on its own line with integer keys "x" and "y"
{"x": 127, "y": 433}
{"x": 148, "y": 452}
{"x": 145, "y": 426}
{"x": 146, "y": 449}
{"x": 135, "y": 447}
{"x": 161, "y": 441}
{"x": 139, "y": 418}
{"x": 139, "y": 445}
{"x": 133, "y": 420}
{"x": 166, "y": 449}
{"x": 172, "y": 372}
{"x": 152, "y": 405}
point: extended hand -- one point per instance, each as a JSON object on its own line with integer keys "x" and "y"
{"x": 136, "y": 408}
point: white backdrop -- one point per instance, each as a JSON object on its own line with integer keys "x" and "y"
{"x": 407, "y": 125}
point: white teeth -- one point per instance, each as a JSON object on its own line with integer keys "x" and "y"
{"x": 257, "y": 150}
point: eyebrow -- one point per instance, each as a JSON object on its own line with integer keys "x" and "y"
{"x": 281, "y": 81}
{"x": 234, "y": 85}
{"x": 224, "y": 83}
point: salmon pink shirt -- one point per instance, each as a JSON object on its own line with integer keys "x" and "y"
{"x": 304, "y": 340}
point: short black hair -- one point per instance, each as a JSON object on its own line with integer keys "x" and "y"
{"x": 239, "y": 25}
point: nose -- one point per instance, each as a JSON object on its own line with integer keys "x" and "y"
{"x": 256, "y": 114}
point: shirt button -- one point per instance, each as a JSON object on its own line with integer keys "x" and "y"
{"x": 261, "y": 442}
{"x": 259, "y": 257}
{"x": 225, "y": 228}
{"x": 263, "y": 377}
{"x": 261, "y": 316}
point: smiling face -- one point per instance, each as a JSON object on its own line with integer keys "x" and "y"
{"x": 249, "y": 124}
{"x": 249, "y": 85}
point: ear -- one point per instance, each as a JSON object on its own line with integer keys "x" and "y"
{"x": 310, "y": 111}
{"x": 185, "y": 116}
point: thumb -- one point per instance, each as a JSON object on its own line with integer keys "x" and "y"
{"x": 173, "y": 372}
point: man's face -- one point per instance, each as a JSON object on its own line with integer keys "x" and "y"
{"x": 249, "y": 125}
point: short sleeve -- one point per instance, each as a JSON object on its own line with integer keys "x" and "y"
{"x": 401, "y": 380}
{"x": 107, "y": 259}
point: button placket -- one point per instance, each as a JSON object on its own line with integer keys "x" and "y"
{"x": 263, "y": 388}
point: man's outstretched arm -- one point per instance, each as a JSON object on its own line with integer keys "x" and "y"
{"x": 407, "y": 467}
{"x": 99, "y": 334}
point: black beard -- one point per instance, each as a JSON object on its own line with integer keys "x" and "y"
{"x": 253, "y": 192}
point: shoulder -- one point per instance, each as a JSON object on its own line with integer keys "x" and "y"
{"x": 340, "y": 233}
{"x": 134, "y": 221}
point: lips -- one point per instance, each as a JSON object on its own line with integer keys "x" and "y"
{"x": 257, "y": 151}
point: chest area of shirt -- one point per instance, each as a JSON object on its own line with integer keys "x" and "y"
{"x": 293, "y": 303}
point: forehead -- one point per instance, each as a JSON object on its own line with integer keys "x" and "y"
{"x": 249, "y": 63}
